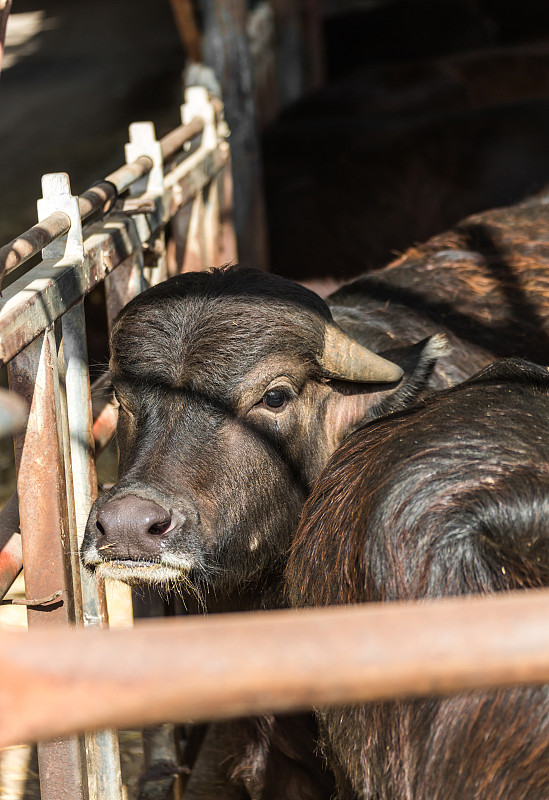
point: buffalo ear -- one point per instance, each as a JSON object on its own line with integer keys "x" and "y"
{"x": 417, "y": 362}
{"x": 352, "y": 405}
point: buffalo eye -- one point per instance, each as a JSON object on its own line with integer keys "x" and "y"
{"x": 275, "y": 398}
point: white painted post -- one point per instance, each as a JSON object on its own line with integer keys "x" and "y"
{"x": 143, "y": 142}
{"x": 102, "y": 752}
{"x": 199, "y": 250}
{"x": 197, "y": 104}
{"x": 56, "y": 196}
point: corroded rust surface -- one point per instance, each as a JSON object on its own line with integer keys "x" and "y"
{"x": 55, "y": 682}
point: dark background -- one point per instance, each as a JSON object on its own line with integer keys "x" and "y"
{"x": 431, "y": 110}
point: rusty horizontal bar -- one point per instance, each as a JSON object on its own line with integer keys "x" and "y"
{"x": 124, "y": 176}
{"x": 31, "y": 242}
{"x": 35, "y": 239}
{"x": 55, "y": 683}
{"x": 95, "y": 198}
{"x": 117, "y": 182}
{"x": 177, "y": 138}
{"x": 46, "y": 292}
{"x": 41, "y": 296}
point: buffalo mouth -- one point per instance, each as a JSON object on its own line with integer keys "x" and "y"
{"x": 139, "y": 572}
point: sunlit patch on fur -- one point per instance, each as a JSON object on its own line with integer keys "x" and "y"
{"x": 254, "y": 543}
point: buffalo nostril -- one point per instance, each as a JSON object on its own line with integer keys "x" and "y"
{"x": 159, "y": 528}
{"x": 134, "y": 527}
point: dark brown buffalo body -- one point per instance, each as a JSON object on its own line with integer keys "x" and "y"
{"x": 485, "y": 283}
{"x": 235, "y": 387}
{"x": 448, "y": 498}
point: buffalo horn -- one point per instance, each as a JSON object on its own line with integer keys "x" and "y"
{"x": 346, "y": 359}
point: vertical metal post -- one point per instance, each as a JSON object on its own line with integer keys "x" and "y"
{"x": 103, "y": 756}
{"x": 48, "y": 552}
{"x": 50, "y": 548}
{"x": 227, "y": 244}
{"x": 211, "y": 225}
{"x": 143, "y": 142}
{"x": 195, "y": 250}
{"x": 199, "y": 250}
{"x": 44, "y": 518}
{"x": 203, "y": 237}
{"x": 123, "y": 283}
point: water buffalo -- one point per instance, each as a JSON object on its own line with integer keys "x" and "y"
{"x": 235, "y": 387}
{"x": 450, "y": 497}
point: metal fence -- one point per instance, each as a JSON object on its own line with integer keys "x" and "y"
{"x": 56, "y": 682}
{"x": 183, "y": 178}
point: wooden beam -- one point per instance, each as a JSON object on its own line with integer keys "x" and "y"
{"x": 226, "y": 51}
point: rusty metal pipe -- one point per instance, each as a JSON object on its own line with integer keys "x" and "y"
{"x": 31, "y": 242}
{"x": 55, "y": 682}
{"x": 95, "y": 198}
{"x": 177, "y": 138}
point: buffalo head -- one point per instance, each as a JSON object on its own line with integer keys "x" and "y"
{"x": 234, "y": 389}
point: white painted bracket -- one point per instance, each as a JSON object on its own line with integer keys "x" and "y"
{"x": 197, "y": 104}
{"x": 56, "y": 196}
{"x": 143, "y": 142}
